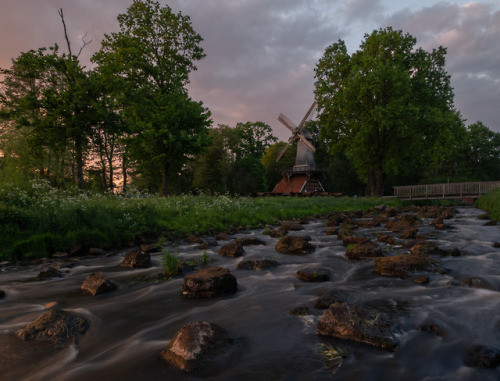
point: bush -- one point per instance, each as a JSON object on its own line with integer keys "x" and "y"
{"x": 491, "y": 203}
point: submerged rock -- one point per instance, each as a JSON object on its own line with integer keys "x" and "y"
{"x": 248, "y": 241}
{"x": 209, "y": 282}
{"x": 96, "y": 283}
{"x": 294, "y": 245}
{"x": 49, "y": 273}
{"x": 136, "y": 259}
{"x": 259, "y": 264}
{"x": 314, "y": 275}
{"x": 359, "y": 324}
{"x": 55, "y": 326}
{"x": 196, "y": 345}
{"x": 482, "y": 356}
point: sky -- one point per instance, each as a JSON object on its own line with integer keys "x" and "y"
{"x": 261, "y": 54}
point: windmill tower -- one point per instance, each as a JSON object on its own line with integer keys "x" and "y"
{"x": 304, "y": 176}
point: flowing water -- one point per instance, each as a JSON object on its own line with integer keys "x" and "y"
{"x": 129, "y": 327}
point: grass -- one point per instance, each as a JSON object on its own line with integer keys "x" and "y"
{"x": 37, "y": 220}
{"x": 491, "y": 203}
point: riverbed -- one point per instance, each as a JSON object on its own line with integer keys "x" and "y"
{"x": 130, "y": 326}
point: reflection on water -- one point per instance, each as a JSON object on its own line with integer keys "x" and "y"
{"x": 130, "y": 326}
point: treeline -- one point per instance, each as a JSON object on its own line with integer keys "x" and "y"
{"x": 386, "y": 117}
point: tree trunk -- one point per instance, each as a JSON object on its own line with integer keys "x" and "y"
{"x": 369, "y": 183}
{"x": 164, "y": 179}
{"x": 79, "y": 161}
{"x": 124, "y": 174}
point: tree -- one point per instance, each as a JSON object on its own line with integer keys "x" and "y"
{"x": 386, "y": 96}
{"x": 153, "y": 54}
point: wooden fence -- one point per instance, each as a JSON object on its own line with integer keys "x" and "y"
{"x": 449, "y": 190}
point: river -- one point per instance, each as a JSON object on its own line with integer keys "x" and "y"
{"x": 130, "y": 326}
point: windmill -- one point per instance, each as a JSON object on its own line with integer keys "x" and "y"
{"x": 302, "y": 178}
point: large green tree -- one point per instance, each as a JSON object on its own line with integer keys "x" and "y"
{"x": 387, "y": 104}
{"x": 153, "y": 53}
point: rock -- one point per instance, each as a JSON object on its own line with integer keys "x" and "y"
{"x": 409, "y": 233}
{"x": 50, "y": 305}
{"x": 248, "y": 241}
{"x": 207, "y": 244}
{"x": 353, "y": 239}
{"x": 430, "y": 328}
{"x": 95, "y": 284}
{"x": 294, "y": 245}
{"x": 359, "y": 324}
{"x": 482, "y": 356}
{"x": 55, "y": 326}
{"x": 150, "y": 248}
{"x": 401, "y": 265}
{"x": 386, "y": 238}
{"x": 344, "y": 233}
{"x": 405, "y": 222}
{"x": 76, "y": 251}
{"x": 490, "y": 223}
{"x": 209, "y": 282}
{"x": 455, "y": 252}
{"x": 277, "y": 233}
{"x": 332, "y": 231}
{"x": 425, "y": 248}
{"x": 59, "y": 254}
{"x": 363, "y": 250}
{"x": 299, "y": 311}
{"x": 221, "y": 237}
{"x": 367, "y": 224}
{"x": 291, "y": 226}
{"x": 421, "y": 279}
{"x": 323, "y": 302}
{"x": 136, "y": 259}
{"x": 473, "y": 282}
{"x": 260, "y": 264}
{"x": 49, "y": 273}
{"x": 96, "y": 251}
{"x": 196, "y": 345}
{"x": 191, "y": 238}
{"x": 2, "y": 294}
{"x": 496, "y": 244}
{"x": 231, "y": 250}
{"x": 314, "y": 275}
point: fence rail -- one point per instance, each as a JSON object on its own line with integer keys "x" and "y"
{"x": 449, "y": 190}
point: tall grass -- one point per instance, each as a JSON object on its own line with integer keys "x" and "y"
{"x": 37, "y": 220}
{"x": 491, "y": 203}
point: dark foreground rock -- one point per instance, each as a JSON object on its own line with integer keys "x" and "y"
{"x": 96, "y": 283}
{"x": 2, "y": 294}
{"x": 367, "y": 249}
{"x": 294, "y": 245}
{"x": 196, "y": 345}
{"x": 136, "y": 259}
{"x": 402, "y": 265}
{"x": 209, "y": 282}
{"x": 232, "y": 250}
{"x": 55, "y": 326}
{"x": 482, "y": 356}
{"x": 360, "y": 324}
{"x": 259, "y": 264}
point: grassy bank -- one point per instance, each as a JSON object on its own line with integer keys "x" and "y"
{"x": 491, "y": 203}
{"x": 37, "y": 221}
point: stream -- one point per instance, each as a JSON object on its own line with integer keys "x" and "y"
{"x": 130, "y": 326}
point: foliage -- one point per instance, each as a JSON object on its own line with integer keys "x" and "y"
{"x": 491, "y": 203}
{"x": 386, "y": 95}
{"x": 37, "y": 220}
{"x": 170, "y": 263}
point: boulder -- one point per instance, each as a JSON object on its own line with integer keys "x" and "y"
{"x": 482, "y": 356}
{"x": 49, "y": 272}
{"x": 95, "y": 251}
{"x": 209, "y": 282}
{"x": 136, "y": 259}
{"x": 323, "y": 302}
{"x": 207, "y": 244}
{"x": 314, "y": 275}
{"x": 406, "y": 221}
{"x": 291, "y": 226}
{"x": 55, "y": 326}
{"x": 191, "y": 238}
{"x": 260, "y": 264}
{"x": 2, "y": 294}
{"x": 299, "y": 311}
{"x": 409, "y": 233}
{"x": 96, "y": 283}
{"x": 421, "y": 279}
{"x": 294, "y": 245}
{"x": 248, "y": 241}
{"x": 401, "y": 265}
{"x": 332, "y": 231}
{"x": 196, "y": 345}
{"x": 363, "y": 250}
{"x": 425, "y": 248}
{"x": 367, "y": 224}
{"x": 150, "y": 248}
{"x": 231, "y": 250}
{"x": 359, "y": 324}
{"x": 386, "y": 238}
{"x": 353, "y": 239}
{"x": 221, "y": 237}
